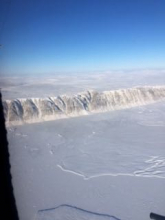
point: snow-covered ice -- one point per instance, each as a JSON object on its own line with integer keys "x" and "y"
{"x": 111, "y": 164}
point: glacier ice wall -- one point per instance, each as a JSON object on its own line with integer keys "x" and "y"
{"x": 31, "y": 110}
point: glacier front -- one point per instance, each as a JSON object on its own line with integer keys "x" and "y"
{"x": 32, "y": 110}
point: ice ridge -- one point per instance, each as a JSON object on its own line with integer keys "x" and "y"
{"x": 31, "y": 110}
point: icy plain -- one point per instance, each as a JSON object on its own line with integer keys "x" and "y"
{"x": 103, "y": 166}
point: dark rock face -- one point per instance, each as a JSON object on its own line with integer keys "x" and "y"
{"x": 51, "y": 108}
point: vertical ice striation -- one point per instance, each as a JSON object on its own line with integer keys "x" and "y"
{"x": 51, "y": 108}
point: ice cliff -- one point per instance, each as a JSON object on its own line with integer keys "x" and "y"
{"x": 31, "y": 110}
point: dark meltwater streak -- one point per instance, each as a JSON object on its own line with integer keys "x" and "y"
{"x": 71, "y": 212}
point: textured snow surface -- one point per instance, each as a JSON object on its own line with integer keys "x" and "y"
{"x": 68, "y": 212}
{"x": 108, "y": 149}
{"x": 110, "y": 163}
{"x": 44, "y": 109}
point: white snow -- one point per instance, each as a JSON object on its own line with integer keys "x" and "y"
{"x": 112, "y": 163}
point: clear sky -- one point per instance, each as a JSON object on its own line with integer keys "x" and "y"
{"x": 42, "y": 36}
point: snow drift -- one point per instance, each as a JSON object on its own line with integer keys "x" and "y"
{"x": 31, "y": 110}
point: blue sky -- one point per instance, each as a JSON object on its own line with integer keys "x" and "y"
{"x": 47, "y": 36}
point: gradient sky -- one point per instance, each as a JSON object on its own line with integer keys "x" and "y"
{"x": 42, "y": 36}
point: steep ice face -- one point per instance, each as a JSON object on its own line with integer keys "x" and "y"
{"x": 43, "y": 109}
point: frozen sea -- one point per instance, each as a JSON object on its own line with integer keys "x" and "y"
{"x": 101, "y": 166}
{"x": 110, "y": 163}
